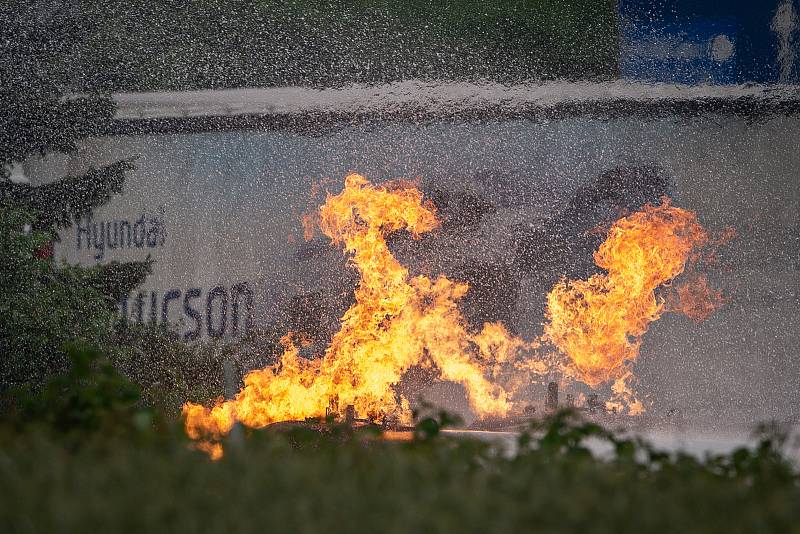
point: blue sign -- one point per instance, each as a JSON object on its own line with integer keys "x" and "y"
{"x": 702, "y": 41}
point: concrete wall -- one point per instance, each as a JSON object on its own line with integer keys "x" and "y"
{"x": 223, "y": 213}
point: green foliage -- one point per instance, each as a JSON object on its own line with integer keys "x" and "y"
{"x": 170, "y": 371}
{"x": 58, "y": 204}
{"x": 35, "y": 120}
{"x": 116, "y": 280}
{"x": 430, "y": 421}
{"x": 36, "y": 42}
{"x": 38, "y": 116}
{"x": 136, "y": 45}
{"x": 90, "y": 396}
{"x": 310, "y": 481}
{"x": 43, "y": 306}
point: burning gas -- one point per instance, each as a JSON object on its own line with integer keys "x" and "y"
{"x": 398, "y": 321}
{"x": 598, "y": 323}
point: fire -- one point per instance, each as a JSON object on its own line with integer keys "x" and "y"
{"x": 397, "y": 322}
{"x": 696, "y": 299}
{"x": 598, "y": 323}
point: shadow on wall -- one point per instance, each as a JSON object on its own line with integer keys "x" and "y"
{"x": 563, "y": 246}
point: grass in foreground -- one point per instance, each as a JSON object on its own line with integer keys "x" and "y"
{"x": 304, "y": 481}
{"x": 84, "y": 455}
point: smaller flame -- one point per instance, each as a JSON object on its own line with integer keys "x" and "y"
{"x": 598, "y": 323}
{"x": 695, "y": 298}
{"x": 623, "y": 396}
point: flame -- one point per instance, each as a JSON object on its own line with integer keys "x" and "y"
{"x": 696, "y": 299}
{"x": 397, "y": 322}
{"x": 623, "y": 396}
{"x": 598, "y": 323}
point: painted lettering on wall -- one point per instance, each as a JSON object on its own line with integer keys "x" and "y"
{"x": 219, "y": 311}
{"x": 144, "y": 231}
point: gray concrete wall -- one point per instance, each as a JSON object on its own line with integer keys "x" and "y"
{"x": 226, "y": 207}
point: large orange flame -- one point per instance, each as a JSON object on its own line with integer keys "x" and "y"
{"x": 598, "y": 323}
{"x": 397, "y": 322}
